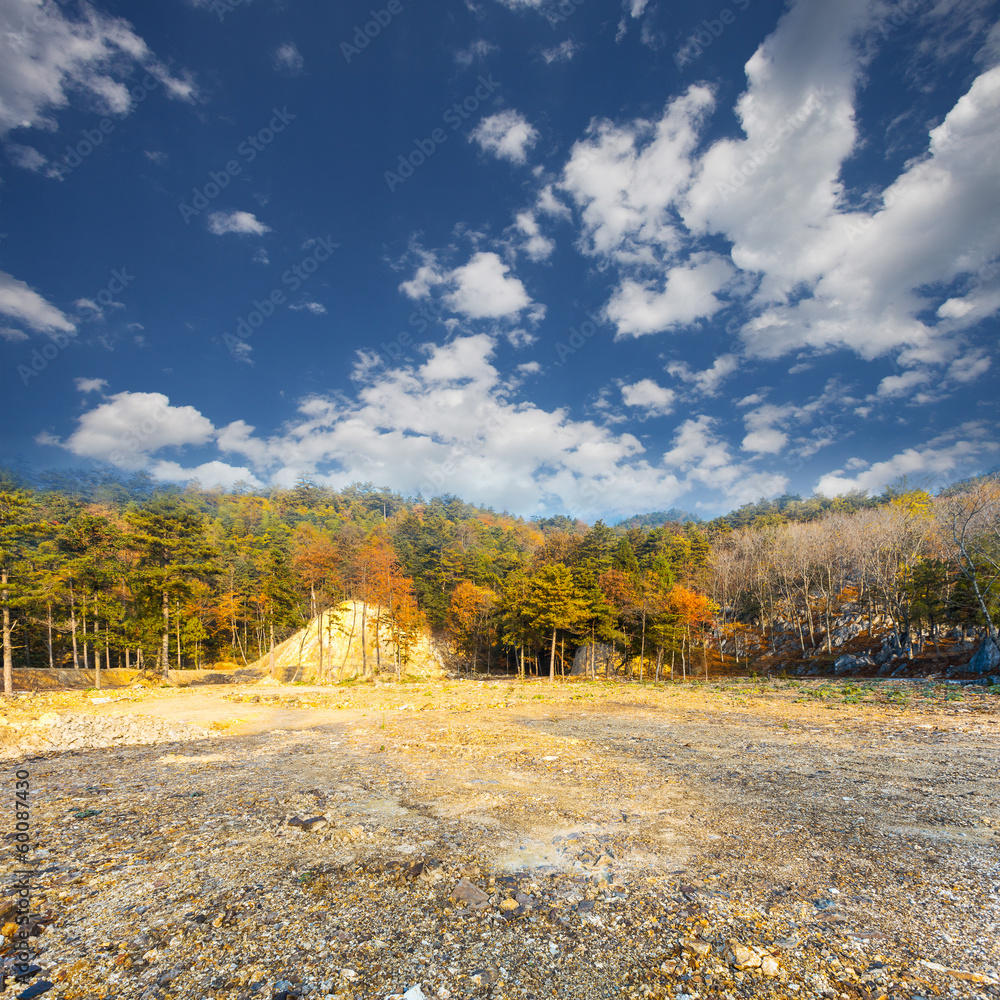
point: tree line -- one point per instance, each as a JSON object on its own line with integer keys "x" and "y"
{"x": 98, "y": 572}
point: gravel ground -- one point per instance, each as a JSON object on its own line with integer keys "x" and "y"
{"x": 501, "y": 840}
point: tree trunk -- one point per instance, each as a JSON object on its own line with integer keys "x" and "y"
{"x": 165, "y": 643}
{"x": 52, "y": 662}
{"x": 8, "y": 653}
{"x": 177, "y": 624}
{"x": 271, "y": 654}
{"x": 552, "y": 659}
{"x": 97, "y": 658}
{"x": 72, "y": 626}
{"x": 86, "y": 648}
{"x": 642, "y": 646}
{"x": 364, "y": 648}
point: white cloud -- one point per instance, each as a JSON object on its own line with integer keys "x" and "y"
{"x": 647, "y": 395}
{"x": 155, "y": 156}
{"x": 25, "y": 157}
{"x": 507, "y": 135}
{"x": 563, "y": 52}
{"x": 778, "y": 196}
{"x": 901, "y": 385}
{"x": 260, "y": 257}
{"x": 762, "y": 435}
{"x": 970, "y": 366}
{"x": 288, "y": 59}
{"x": 448, "y": 423}
{"x": 537, "y": 246}
{"x": 689, "y": 294}
{"x": 965, "y": 449}
{"x": 24, "y": 304}
{"x": 12, "y": 334}
{"x": 709, "y": 381}
{"x": 316, "y": 308}
{"x": 484, "y": 289}
{"x": 625, "y": 178}
{"x": 242, "y": 223}
{"x": 88, "y": 385}
{"x": 479, "y": 289}
{"x": 209, "y": 474}
{"x": 129, "y": 427}
{"x": 478, "y": 49}
{"x": 47, "y": 57}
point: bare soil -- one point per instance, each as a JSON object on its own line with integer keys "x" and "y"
{"x": 847, "y": 833}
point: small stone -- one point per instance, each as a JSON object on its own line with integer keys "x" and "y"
{"x": 769, "y": 965}
{"x": 466, "y": 892}
{"x": 744, "y": 957}
{"x": 315, "y": 823}
{"x": 701, "y": 948}
{"x": 509, "y": 904}
{"x": 36, "y": 990}
{"x": 349, "y": 974}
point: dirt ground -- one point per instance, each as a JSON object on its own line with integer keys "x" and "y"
{"x": 624, "y": 840}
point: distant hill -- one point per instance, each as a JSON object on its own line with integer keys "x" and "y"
{"x": 656, "y": 518}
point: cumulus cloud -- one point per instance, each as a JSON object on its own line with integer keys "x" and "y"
{"x": 129, "y": 427}
{"x": 209, "y": 474}
{"x": 507, "y": 135}
{"x": 709, "y": 381}
{"x": 689, "y": 293}
{"x": 446, "y": 423}
{"x": 241, "y": 223}
{"x": 536, "y": 245}
{"x": 482, "y": 288}
{"x": 22, "y": 303}
{"x": 646, "y": 395}
{"x": 958, "y": 452}
{"x": 625, "y": 178}
{"x": 48, "y": 57}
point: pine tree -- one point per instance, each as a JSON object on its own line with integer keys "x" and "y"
{"x": 555, "y": 603}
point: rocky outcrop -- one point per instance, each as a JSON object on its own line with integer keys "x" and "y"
{"x": 986, "y": 659}
{"x": 344, "y": 628}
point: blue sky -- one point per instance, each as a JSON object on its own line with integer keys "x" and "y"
{"x": 583, "y": 257}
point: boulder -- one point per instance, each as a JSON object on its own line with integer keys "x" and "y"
{"x": 844, "y": 663}
{"x": 987, "y": 658}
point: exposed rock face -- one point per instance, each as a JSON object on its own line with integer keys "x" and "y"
{"x": 602, "y": 655}
{"x": 298, "y": 658}
{"x": 986, "y": 659}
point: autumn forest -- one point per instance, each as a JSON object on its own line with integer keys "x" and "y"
{"x": 103, "y": 572}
